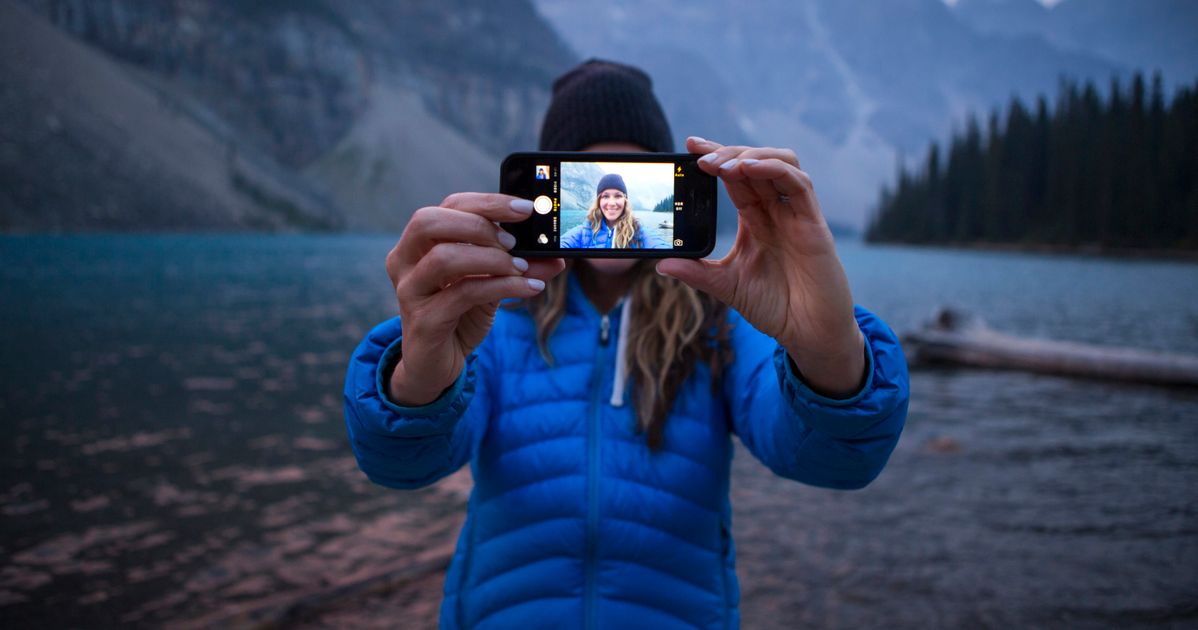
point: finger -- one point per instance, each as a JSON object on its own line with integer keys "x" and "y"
{"x": 711, "y": 277}
{"x": 432, "y": 225}
{"x": 447, "y": 263}
{"x": 545, "y": 268}
{"x": 772, "y": 208}
{"x": 723, "y": 162}
{"x": 768, "y": 153}
{"x": 472, "y": 292}
{"x": 393, "y": 264}
{"x": 492, "y": 206}
{"x": 729, "y": 162}
{"x": 718, "y": 160}
{"x": 731, "y": 170}
{"x": 695, "y": 144}
{"x": 758, "y": 198}
{"x": 783, "y": 184}
{"x": 712, "y": 162}
{"x": 747, "y": 201}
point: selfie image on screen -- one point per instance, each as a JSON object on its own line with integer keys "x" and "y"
{"x": 610, "y": 205}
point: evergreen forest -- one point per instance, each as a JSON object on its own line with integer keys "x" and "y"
{"x": 1099, "y": 171}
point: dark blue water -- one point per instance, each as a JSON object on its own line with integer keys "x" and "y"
{"x": 1148, "y": 304}
{"x": 174, "y": 449}
{"x": 651, "y": 220}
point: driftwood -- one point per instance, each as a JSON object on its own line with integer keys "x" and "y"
{"x": 954, "y": 338}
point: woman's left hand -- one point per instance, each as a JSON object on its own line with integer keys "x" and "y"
{"x": 782, "y": 273}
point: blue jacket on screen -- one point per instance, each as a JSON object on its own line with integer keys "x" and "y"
{"x": 573, "y": 522}
{"x": 584, "y": 237}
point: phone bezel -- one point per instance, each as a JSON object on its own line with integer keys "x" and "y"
{"x": 529, "y": 158}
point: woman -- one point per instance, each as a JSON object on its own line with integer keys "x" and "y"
{"x": 610, "y": 221}
{"x": 597, "y": 412}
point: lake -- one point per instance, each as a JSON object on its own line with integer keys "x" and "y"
{"x": 174, "y": 450}
{"x": 652, "y": 221}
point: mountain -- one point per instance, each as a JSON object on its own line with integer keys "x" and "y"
{"x": 1145, "y": 35}
{"x": 398, "y": 157}
{"x": 1009, "y": 17}
{"x": 371, "y": 108}
{"x": 87, "y": 144}
{"x": 852, "y": 85}
{"x": 315, "y": 114}
{"x": 578, "y": 184}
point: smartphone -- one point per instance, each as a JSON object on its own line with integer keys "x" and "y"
{"x": 611, "y": 205}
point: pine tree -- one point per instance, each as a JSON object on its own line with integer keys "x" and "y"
{"x": 1115, "y": 172}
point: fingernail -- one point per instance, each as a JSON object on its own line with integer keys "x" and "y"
{"x": 520, "y": 264}
{"x": 657, "y": 268}
{"x": 709, "y": 158}
{"x": 507, "y": 240}
{"x": 698, "y": 139}
{"x": 729, "y": 164}
{"x": 536, "y": 285}
{"x": 523, "y": 206}
{"x": 748, "y": 161}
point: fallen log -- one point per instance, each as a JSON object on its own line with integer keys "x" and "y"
{"x": 954, "y": 338}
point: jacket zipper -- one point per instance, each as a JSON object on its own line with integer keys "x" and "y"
{"x": 590, "y": 614}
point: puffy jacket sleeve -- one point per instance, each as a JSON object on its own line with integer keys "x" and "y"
{"x": 650, "y": 239}
{"x": 807, "y": 437}
{"x": 576, "y": 237}
{"x": 410, "y": 447}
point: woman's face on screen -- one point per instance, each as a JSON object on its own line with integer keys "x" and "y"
{"x": 612, "y": 202}
{"x": 613, "y": 266}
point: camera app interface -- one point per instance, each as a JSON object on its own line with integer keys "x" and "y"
{"x": 608, "y": 205}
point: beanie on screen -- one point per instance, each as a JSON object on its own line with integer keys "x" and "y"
{"x": 604, "y": 101}
{"x": 611, "y": 180}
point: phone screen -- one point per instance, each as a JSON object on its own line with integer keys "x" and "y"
{"x": 627, "y": 205}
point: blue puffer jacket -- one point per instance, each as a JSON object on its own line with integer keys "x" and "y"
{"x": 573, "y": 521}
{"x": 584, "y": 237}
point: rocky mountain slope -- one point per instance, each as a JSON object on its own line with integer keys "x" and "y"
{"x": 371, "y": 108}
{"x": 88, "y": 144}
{"x": 1145, "y": 35}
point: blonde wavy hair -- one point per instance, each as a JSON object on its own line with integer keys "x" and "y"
{"x": 671, "y": 328}
{"x": 623, "y": 232}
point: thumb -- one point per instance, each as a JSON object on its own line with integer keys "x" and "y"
{"x": 703, "y": 275}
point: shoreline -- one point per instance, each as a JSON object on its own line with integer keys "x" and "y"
{"x": 1083, "y": 251}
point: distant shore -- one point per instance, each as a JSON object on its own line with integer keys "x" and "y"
{"x": 1089, "y": 251}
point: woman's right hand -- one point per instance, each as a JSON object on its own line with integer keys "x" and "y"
{"x": 450, "y": 270}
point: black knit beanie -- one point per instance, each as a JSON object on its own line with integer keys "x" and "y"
{"x": 604, "y": 101}
{"x": 612, "y": 181}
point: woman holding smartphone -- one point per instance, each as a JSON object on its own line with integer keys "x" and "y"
{"x": 596, "y": 407}
{"x": 610, "y": 221}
